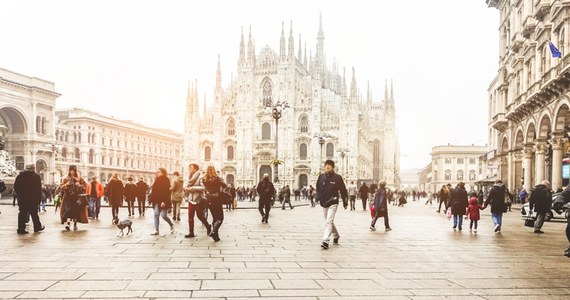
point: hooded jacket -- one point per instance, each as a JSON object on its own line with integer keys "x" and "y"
{"x": 177, "y": 189}
{"x": 496, "y": 199}
{"x": 473, "y": 209}
{"x": 459, "y": 202}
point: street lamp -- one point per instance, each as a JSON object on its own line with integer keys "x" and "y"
{"x": 276, "y": 112}
{"x": 54, "y": 147}
{"x": 322, "y": 138}
{"x": 343, "y": 152}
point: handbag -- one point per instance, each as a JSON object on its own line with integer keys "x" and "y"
{"x": 82, "y": 201}
{"x": 529, "y": 222}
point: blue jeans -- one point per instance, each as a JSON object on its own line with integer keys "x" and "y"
{"x": 160, "y": 212}
{"x": 92, "y": 207}
{"x": 497, "y": 218}
{"x": 457, "y": 220}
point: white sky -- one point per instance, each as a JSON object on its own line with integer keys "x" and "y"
{"x": 133, "y": 59}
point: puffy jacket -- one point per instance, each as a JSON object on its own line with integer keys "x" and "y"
{"x": 473, "y": 209}
{"x": 496, "y": 199}
{"x": 98, "y": 187}
{"x": 177, "y": 189}
{"x": 540, "y": 199}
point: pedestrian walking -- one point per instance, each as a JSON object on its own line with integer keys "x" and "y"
{"x": 352, "y": 192}
{"x": 459, "y": 204}
{"x": 160, "y": 199}
{"x": 214, "y": 186}
{"x": 496, "y": 199}
{"x": 522, "y": 195}
{"x": 443, "y": 198}
{"x": 177, "y": 195}
{"x": 364, "y": 191}
{"x": 197, "y": 203}
{"x": 265, "y": 190}
{"x": 540, "y": 201}
{"x": 429, "y": 199}
{"x": 130, "y": 192}
{"x": 73, "y": 208}
{"x": 116, "y": 191}
{"x": 142, "y": 188}
{"x": 28, "y": 186}
{"x": 473, "y": 212}
{"x": 15, "y": 196}
{"x": 94, "y": 191}
{"x": 329, "y": 185}
{"x": 558, "y": 205}
{"x": 287, "y": 197}
{"x": 381, "y": 207}
{"x": 312, "y": 194}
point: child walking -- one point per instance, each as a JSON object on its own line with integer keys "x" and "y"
{"x": 473, "y": 212}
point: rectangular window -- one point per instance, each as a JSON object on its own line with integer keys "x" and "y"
{"x": 460, "y": 161}
{"x": 447, "y": 176}
{"x": 448, "y": 160}
{"x": 472, "y": 161}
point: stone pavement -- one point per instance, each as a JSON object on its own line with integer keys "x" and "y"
{"x": 422, "y": 258}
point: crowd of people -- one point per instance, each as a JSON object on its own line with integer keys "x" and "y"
{"x": 206, "y": 194}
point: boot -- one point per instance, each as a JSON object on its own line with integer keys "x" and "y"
{"x": 208, "y": 229}
{"x": 215, "y": 227}
{"x": 567, "y": 252}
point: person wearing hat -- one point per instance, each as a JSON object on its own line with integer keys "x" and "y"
{"x": 28, "y": 186}
{"x": 329, "y": 186}
{"x": 73, "y": 208}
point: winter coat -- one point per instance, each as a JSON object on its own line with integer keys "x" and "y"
{"x": 69, "y": 207}
{"x": 265, "y": 189}
{"x": 177, "y": 189}
{"x": 381, "y": 201}
{"x": 473, "y": 209}
{"x": 28, "y": 186}
{"x": 459, "y": 202}
{"x": 130, "y": 191}
{"x": 363, "y": 191}
{"x": 142, "y": 188}
{"x": 116, "y": 191}
{"x": 540, "y": 199}
{"x": 195, "y": 196}
{"x": 98, "y": 188}
{"x": 213, "y": 187}
{"x": 160, "y": 192}
{"x": 496, "y": 199}
{"x": 329, "y": 185}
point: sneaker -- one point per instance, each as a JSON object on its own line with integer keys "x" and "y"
{"x": 372, "y": 228}
{"x": 67, "y": 228}
{"x": 171, "y": 228}
{"x": 454, "y": 226}
{"x": 388, "y": 229}
{"x": 325, "y": 246}
{"x": 335, "y": 240}
{"x": 497, "y": 228}
{"x": 460, "y": 228}
{"x": 474, "y": 230}
{"x": 155, "y": 233}
{"x": 539, "y": 231}
{"x": 40, "y": 229}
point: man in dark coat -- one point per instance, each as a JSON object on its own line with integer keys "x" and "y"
{"x": 329, "y": 186}
{"x": 287, "y": 197}
{"x": 363, "y": 192}
{"x": 142, "y": 188}
{"x": 28, "y": 186}
{"x": 116, "y": 193}
{"x": 496, "y": 199}
{"x": 381, "y": 207}
{"x": 558, "y": 205}
{"x": 459, "y": 204}
{"x": 540, "y": 201}
{"x": 265, "y": 190}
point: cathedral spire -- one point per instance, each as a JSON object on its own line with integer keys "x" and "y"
{"x": 195, "y": 100}
{"x": 299, "y": 52}
{"x": 368, "y": 95}
{"x": 189, "y": 100}
{"x": 282, "y": 43}
{"x": 386, "y": 90}
{"x": 392, "y": 90}
{"x": 305, "y": 58}
{"x": 343, "y": 87}
{"x": 320, "y": 44}
{"x": 241, "y": 61}
{"x": 250, "y": 50}
{"x": 353, "y": 88}
{"x": 219, "y": 75}
{"x": 205, "y": 107}
{"x": 291, "y": 54}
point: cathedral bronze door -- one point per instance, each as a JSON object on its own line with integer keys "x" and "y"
{"x": 303, "y": 181}
{"x": 266, "y": 169}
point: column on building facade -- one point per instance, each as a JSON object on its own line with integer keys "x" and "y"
{"x": 557, "y": 142}
{"x": 517, "y": 173}
{"x": 510, "y": 170}
{"x": 540, "y": 150}
{"x": 528, "y": 154}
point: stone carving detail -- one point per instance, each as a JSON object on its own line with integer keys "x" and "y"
{"x": 7, "y": 167}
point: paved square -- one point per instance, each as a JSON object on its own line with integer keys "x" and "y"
{"x": 422, "y": 258}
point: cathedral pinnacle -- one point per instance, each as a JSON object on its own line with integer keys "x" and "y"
{"x": 241, "y": 61}
{"x": 291, "y": 53}
{"x": 219, "y": 74}
{"x": 282, "y": 43}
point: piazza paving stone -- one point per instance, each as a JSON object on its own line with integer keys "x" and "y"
{"x": 422, "y": 258}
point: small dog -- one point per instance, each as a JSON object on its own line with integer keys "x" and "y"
{"x": 122, "y": 225}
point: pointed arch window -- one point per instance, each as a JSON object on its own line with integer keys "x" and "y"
{"x": 304, "y": 124}
{"x": 231, "y": 127}
{"x": 207, "y": 153}
{"x": 230, "y": 152}
{"x": 330, "y": 150}
{"x": 303, "y": 151}
{"x": 267, "y": 93}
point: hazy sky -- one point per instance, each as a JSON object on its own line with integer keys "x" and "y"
{"x": 133, "y": 59}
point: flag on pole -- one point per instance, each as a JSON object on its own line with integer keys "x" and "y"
{"x": 555, "y": 52}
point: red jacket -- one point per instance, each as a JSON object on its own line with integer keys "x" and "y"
{"x": 473, "y": 209}
{"x": 98, "y": 187}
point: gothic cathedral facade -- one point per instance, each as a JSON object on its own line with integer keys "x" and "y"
{"x": 237, "y": 134}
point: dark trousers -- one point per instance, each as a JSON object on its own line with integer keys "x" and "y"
{"x": 378, "y": 215}
{"x": 364, "y": 200}
{"x": 23, "y": 218}
{"x": 473, "y": 224}
{"x": 14, "y": 200}
{"x": 568, "y": 230}
{"x": 352, "y": 202}
{"x": 287, "y": 200}
{"x": 197, "y": 210}
{"x": 264, "y": 207}
{"x": 131, "y": 207}
{"x": 217, "y": 212}
{"x": 141, "y": 205}
{"x": 439, "y": 208}
{"x": 115, "y": 211}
